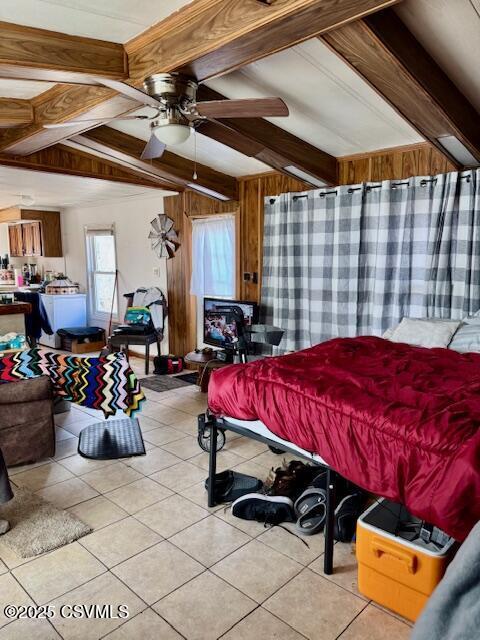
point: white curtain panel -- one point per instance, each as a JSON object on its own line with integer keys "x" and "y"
{"x": 353, "y": 260}
{"x": 213, "y": 256}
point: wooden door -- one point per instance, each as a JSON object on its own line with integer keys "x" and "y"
{"x": 15, "y": 236}
{"x": 32, "y": 238}
{"x": 36, "y": 239}
{"x": 27, "y": 239}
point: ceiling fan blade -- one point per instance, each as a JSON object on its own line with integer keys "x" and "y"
{"x": 130, "y": 92}
{"x": 153, "y": 149}
{"x": 247, "y": 108}
{"x": 74, "y": 123}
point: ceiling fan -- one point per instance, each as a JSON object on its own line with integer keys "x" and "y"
{"x": 173, "y": 96}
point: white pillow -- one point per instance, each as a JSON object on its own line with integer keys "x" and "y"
{"x": 389, "y": 333}
{"x": 425, "y": 333}
{"x": 467, "y": 338}
{"x": 471, "y": 320}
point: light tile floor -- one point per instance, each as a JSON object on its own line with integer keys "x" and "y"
{"x": 183, "y": 570}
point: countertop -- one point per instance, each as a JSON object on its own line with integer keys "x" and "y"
{"x": 15, "y": 307}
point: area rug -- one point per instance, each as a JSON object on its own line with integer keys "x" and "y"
{"x": 167, "y": 383}
{"x": 36, "y": 526}
{"x": 191, "y": 377}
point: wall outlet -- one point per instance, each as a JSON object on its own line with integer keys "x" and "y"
{"x": 156, "y": 272}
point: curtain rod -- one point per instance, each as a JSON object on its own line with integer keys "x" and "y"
{"x": 423, "y": 183}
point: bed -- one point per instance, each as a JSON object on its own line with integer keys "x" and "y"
{"x": 399, "y": 421}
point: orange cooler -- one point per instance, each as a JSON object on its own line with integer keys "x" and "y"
{"x": 392, "y": 571}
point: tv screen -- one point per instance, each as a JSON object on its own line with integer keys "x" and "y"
{"x": 219, "y": 328}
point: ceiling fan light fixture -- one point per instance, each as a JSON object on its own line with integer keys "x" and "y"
{"x": 172, "y": 133}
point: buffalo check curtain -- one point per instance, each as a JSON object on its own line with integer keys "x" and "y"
{"x": 353, "y": 260}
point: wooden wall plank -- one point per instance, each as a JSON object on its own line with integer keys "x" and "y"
{"x": 64, "y": 160}
{"x": 393, "y": 164}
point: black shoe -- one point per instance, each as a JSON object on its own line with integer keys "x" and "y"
{"x": 230, "y": 485}
{"x": 267, "y": 509}
{"x": 293, "y": 479}
{"x": 346, "y": 515}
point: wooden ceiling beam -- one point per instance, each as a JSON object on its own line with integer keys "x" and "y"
{"x": 126, "y": 148}
{"x": 64, "y": 160}
{"x": 260, "y": 139}
{"x": 386, "y": 54}
{"x": 15, "y": 112}
{"x": 59, "y": 104}
{"x": 211, "y": 37}
{"x": 38, "y": 54}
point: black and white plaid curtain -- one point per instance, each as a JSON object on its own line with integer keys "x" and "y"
{"x": 353, "y": 260}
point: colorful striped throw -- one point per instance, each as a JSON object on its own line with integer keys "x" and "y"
{"x": 106, "y": 383}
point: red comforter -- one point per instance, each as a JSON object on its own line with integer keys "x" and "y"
{"x": 399, "y": 421}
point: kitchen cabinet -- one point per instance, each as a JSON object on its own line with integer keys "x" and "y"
{"x": 15, "y": 236}
{"x": 25, "y": 239}
{"x": 36, "y": 233}
{"x": 32, "y": 238}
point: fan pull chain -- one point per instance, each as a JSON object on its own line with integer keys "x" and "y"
{"x": 194, "y": 154}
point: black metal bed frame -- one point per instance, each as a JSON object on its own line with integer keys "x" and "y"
{"x": 214, "y": 424}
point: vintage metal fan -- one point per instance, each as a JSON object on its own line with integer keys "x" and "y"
{"x": 163, "y": 236}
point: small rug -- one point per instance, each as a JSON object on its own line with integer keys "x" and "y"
{"x": 36, "y": 526}
{"x": 111, "y": 440}
{"x": 191, "y": 378}
{"x": 167, "y": 383}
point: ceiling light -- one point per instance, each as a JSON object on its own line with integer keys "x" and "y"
{"x": 172, "y": 133}
{"x": 26, "y": 201}
{"x": 458, "y": 150}
{"x": 207, "y": 191}
{"x": 303, "y": 175}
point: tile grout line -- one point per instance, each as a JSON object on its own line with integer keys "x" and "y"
{"x": 352, "y": 621}
{"x": 259, "y": 606}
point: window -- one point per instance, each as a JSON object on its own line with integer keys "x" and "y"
{"x": 213, "y": 257}
{"x": 101, "y": 271}
{"x": 213, "y": 262}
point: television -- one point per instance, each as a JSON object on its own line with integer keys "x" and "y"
{"x": 219, "y": 327}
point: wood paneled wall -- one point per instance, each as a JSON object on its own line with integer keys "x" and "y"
{"x": 182, "y": 320}
{"x": 422, "y": 159}
{"x": 389, "y": 164}
{"x": 252, "y": 192}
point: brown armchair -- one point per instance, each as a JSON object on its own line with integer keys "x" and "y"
{"x": 27, "y": 429}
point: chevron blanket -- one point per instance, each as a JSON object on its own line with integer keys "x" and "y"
{"x": 106, "y": 383}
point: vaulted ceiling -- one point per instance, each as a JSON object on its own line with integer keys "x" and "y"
{"x": 356, "y": 76}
